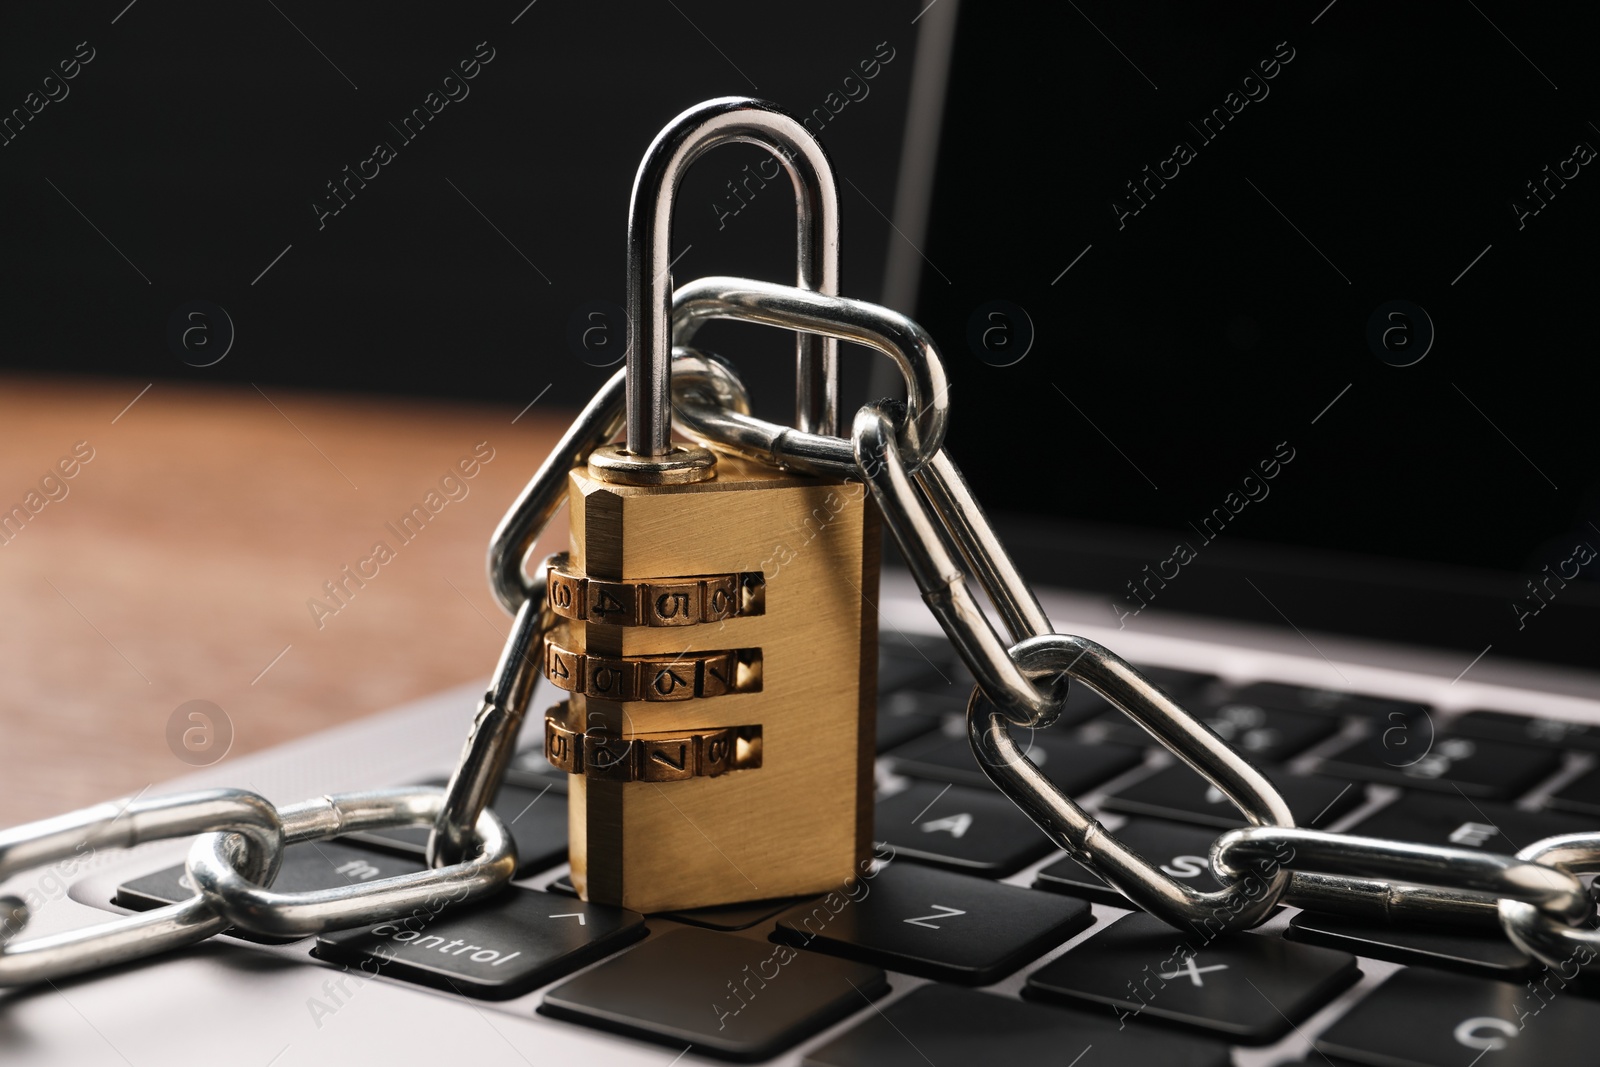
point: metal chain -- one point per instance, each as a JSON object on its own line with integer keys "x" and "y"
{"x": 1534, "y": 896}
{"x": 238, "y": 853}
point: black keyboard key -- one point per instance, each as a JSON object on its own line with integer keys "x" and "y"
{"x": 1183, "y": 852}
{"x": 904, "y": 716}
{"x": 1111, "y": 726}
{"x": 1581, "y": 795}
{"x": 530, "y": 770}
{"x": 1181, "y": 685}
{"x": 973, "y": 830}
{"x": 1529, "y": 730}
{"x": 936, "y": 924}
{"x": 514, "y": 942}
{"x": 1081, "y": 705}
{"x": 967, "y": 1028}
{"x": 1084, "y": 705}
{"x": 934, "y": 649}
{"x": 537, "y": 819}
{"x": 1075, "y": 766}
{"x": 1248, "y": 988}
{"x": 1463, "y": 823}
{"x": 1481, "y": 951}
{"x": 902, "y": 666}
{"x": 928, "y": 665}
{"x": 1107, "y": 723}
{"x": 1494, "y": 770}
{"x": 1176, "y": 792}
{"x": 309, "y": 866}
{"x": 947, "y": 703}
{"x": 1326, "y": 701}
{"x": 1425, "y": 1017}
{"x": 723, "y": 995}
{"x": 1265, "y": 735}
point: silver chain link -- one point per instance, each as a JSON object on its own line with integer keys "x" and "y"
{"x": 69, "y": 839}
{"x": 244, "y": 902}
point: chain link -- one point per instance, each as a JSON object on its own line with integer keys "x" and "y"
{"x": 1533, "y": 930}
{"x": 244, "y": 902}
{"x": 75, "y": 837}
{"x": 1405, "y": 881}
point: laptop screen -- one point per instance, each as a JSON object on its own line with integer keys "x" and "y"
{"x": 1276, "y": 312}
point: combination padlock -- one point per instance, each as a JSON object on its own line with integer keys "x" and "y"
{"x": 715, "y": 618}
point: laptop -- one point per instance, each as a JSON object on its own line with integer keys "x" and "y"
{"x": 1239, "y": 337}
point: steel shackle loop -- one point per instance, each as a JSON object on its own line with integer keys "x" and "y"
{"x": 919, "y": 436}
{"x": 655, "y": 189}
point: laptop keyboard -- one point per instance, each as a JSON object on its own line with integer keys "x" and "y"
{"x": 748, "y": 982}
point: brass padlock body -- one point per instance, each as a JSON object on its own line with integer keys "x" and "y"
{"x": 801, "y": 821}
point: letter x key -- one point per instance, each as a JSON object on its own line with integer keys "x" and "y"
{"x": 1193, "y": 972}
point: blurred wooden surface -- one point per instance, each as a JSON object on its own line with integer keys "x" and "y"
{"x": 180, "y": 562}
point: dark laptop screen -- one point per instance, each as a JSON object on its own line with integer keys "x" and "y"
{"x": 1280, "y": 310}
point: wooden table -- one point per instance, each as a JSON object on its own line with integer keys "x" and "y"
{"x": 180, "y": 562}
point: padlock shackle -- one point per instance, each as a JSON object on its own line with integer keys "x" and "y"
{"x": 655, "y": 190}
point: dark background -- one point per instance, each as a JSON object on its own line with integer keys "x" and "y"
{"x": 200, "y": 136}
{"x": 1207, "y": 330}
{"x": 1166, "y": 363}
